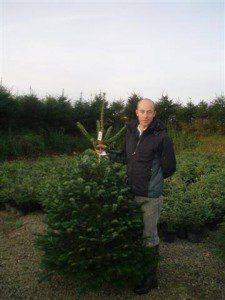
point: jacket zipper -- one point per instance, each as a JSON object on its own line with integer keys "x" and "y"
{"x": 132, "y": 160}
{"x": 136, "y": 146}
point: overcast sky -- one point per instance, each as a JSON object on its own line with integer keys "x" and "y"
{"x": 147, "y": 47}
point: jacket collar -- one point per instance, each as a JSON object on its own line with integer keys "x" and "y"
{"x": 155, "y": 126}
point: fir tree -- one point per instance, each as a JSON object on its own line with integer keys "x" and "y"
{"x": 104, "y": 137}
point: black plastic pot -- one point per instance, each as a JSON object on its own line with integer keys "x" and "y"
{"x": 2, "y": 206}
{"x": 169, "y": 236}
{"x": 182, "y": 233}
{"x": 196, "y": 236}
{"x": 21, "y": 212}
{"x": 7, "y": 206}
{"x": 212, "y": 226}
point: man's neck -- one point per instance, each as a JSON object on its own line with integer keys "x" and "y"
{"x": 142, "y": 128}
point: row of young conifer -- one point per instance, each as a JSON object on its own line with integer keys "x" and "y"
{"x": 19, "y": 113}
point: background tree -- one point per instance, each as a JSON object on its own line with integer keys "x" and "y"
{"x": 201, "y": 110}
{"x": 31, "y": 112}
{"x": 217, "y": 112}
{"x": 131, "y": 106}
{"x": 87, "y": 112}
{"x": 19, "y": 113}
{"x": 9, "y": 110}
{"x": 59, "y": 114}
{"x": 189, "y": 112}
{"x": 166, "y": 109}
{"x": 115, "y": 114}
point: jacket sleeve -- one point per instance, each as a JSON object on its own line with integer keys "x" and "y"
{"x": 168, "y": 160}
{"x": 118, "y": 156}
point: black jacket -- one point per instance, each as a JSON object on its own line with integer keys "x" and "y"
{"x": 150, "y": 158}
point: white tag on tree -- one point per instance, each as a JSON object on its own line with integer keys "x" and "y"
{"x": 99, "y": 135}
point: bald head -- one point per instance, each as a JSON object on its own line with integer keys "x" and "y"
{"x": 145, "y": 112}
{"x": 146, "y": 101}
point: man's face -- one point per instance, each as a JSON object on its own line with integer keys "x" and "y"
{"x": 145, "y": 113}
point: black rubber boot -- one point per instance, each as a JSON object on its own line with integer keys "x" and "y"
{"x": 150, "y": 280}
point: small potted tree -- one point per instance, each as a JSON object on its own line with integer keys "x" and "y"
{"x": 198, "y": 212}
{"x": 168, "y": 223}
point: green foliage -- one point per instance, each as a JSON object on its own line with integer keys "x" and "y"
{"x": 183, "y": 140}
{"x": 32, "y": 112}
{"x": 61, "y": 143}
{"x": 188, "y": 112}
{"x": 194, "y": 196}
{"x": 115, "y": 114}
{"x": 86, "y": 134}
{"x": 27, "y": 114}
{"x": 18, "y": 185}
{"x": 131, "y": 106}
{"x": 34, "y": 145}
{"x": 106, "y": 139}
{"x": 94, "y": 231}
{"x": 9, "y": 110}
{"x": 113, "y": 139}
{"x": 24, "y": 183}
{"x": 202, "y": 110}
{"x": 166, "y": 109}
{"x": 173, "y": 212}
{"x": 31, "y": 145}
{"x": 217, "y": 110}
{"x": 59, "y": 114}
{"x": 87, "y": 112}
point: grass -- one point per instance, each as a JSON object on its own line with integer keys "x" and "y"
{"x": 195, "y": 142}
{"x": 212, "y": 144}
{"x": 184, "y": 141}
{"x": 11, "y": 223}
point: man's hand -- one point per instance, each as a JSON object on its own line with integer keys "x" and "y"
{"x": 101, "y": 150}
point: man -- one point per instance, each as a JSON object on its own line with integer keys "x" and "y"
{"x": 149, "y": 155}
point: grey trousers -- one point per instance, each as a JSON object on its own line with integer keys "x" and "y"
{"x": 151, "y": 208}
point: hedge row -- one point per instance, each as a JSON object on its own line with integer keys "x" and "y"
{"x": 33, "y": 145}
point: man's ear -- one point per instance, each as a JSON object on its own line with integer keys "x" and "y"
{"x": 155, "y": 113}
{"x": 136, "y": 112}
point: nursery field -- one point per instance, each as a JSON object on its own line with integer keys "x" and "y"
{"x": 56, "y": 211}
{"x": 187, "y": 270}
